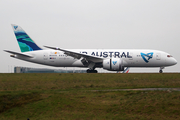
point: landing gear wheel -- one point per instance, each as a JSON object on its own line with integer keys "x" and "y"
{"x": 91, "y": 71}
{"x": 160, "y": 71}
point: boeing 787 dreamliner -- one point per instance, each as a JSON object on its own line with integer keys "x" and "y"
{"x": 108, "y": 59}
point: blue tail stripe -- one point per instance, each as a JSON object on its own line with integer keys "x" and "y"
{"x": 22, "y": 37}
{"x": 33, "y": 46}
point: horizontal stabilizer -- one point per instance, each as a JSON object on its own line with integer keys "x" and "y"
{"x": 16, "y": 53}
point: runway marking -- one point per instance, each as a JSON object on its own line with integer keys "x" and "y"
{"x": 141, "y": 89}
{"x": 136, "y": 89}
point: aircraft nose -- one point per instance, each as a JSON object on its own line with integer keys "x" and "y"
{"x": 173, "y": 61}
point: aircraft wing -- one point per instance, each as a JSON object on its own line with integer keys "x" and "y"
{"x": 77, "y": 55}
{"x": 16, "y": 53}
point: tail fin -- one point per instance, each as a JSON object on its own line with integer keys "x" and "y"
{"x": 25, "y": 42}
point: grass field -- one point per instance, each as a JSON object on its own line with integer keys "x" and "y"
{"x": 70, "y": 96}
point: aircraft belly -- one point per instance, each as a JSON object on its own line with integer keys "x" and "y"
{"x": 65, "y": 62}
{"x": 77, "y": 63}
{"x": 142, "y": 63}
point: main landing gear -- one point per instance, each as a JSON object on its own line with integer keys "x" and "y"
{"x": 91, "y": 71}
{"x": 161, "y": 71}
{"x": 91, "y": 67}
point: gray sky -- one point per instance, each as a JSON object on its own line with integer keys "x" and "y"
{"x": 88, "y": 24}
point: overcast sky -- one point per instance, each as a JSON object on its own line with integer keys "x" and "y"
{"x": 89, "y": 24}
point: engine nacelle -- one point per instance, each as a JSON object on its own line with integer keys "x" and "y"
{"x": 114, "y": 64}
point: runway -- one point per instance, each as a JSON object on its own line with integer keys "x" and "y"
{"x": 142, "y": 89}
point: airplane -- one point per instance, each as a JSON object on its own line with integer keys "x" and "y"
{"x": 108, "y": 59}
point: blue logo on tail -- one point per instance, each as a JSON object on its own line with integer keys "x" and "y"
{"x": 148, "y": 55}
{"x": 15, "y": 27}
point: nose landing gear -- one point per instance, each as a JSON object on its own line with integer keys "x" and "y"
{"x": 161, "y": 71}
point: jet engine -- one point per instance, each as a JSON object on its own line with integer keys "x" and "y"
{"x": 114, "y": 64}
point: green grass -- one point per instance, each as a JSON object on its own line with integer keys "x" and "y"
{"x": 69, "y": 96}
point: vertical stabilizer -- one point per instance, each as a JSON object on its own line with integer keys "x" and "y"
{"x": 26, "y": 44}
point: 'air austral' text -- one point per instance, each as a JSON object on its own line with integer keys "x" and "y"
{"x": 109, "y": 54}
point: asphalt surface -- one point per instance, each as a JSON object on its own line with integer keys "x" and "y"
{"x": 142, "y": 89}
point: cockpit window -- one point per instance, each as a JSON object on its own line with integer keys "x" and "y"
{"x": 169, "y": 55}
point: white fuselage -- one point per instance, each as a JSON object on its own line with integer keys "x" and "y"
{"x": 130, "y": 57}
